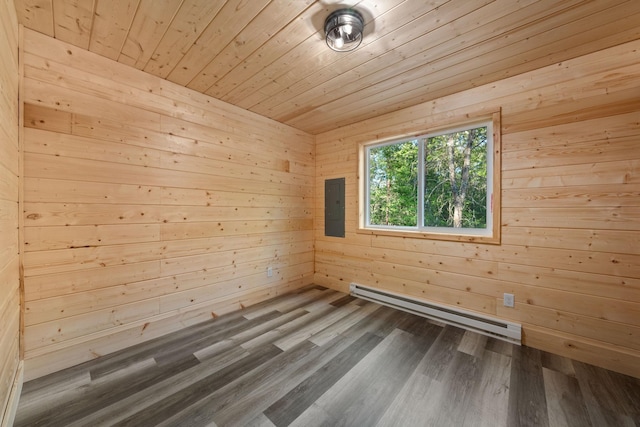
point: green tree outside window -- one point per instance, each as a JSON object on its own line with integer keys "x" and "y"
{"x": 451, "y": 190}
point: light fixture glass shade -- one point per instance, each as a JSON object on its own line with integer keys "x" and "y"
{"x": 343, "y": 30}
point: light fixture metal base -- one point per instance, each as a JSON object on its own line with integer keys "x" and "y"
{"x": 343, "y": 30}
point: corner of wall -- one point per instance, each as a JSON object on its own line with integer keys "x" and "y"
{"x": 14, "y": 398}
{"x": 11, "y": 366}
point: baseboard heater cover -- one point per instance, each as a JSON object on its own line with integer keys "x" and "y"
{"x": 497, "y": 328}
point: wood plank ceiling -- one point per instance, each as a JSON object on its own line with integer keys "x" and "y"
{"x": 269, "y": 56}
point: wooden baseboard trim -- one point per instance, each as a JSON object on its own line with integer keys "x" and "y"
{"x": 615, "y": 358}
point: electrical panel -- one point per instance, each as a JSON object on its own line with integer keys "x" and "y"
{"x": 334, "y": 207}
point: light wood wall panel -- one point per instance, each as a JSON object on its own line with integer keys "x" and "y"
{"x": 149, "y": 207}
{"x": 570, "y": 216}
{"x": 9, "y": 213}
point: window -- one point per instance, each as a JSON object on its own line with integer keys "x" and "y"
{"x": 440, "y": 184}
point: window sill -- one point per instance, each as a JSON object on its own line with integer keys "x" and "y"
{"x": 465, "y": 238}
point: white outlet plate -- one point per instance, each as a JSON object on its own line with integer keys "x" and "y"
{"x": 509, "y": 300}
{"x": 269, "y": 271}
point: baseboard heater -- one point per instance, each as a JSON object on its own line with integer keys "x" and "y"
{"x": 500, "y": 329}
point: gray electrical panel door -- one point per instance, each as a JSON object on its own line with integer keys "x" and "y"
{"x": 334, "y": 205}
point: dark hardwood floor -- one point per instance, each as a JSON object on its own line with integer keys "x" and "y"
{"x": 322, "y": 358}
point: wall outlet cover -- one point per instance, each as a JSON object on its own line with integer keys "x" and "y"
{"x": 509, "y": 300}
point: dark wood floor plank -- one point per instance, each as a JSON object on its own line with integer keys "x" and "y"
{"x": 186, "y": 397}
{"x": 342, "y": 361}
{"x": 263, "y": 386}
{"x": 473, "y": 344}
{"x": 192, "y": 344}
{"x": 440, "y": 354}
{"x": 448, "y": 401}
{"x": 294, "y": 403}
{"x": 289, "y": 302}
{"x": 248, "y": 334}
{"x": 499, "y": 346}
{"x": 240, "y": 401}
{"x": 309, "y": 330}
{"x": 326, "y": 299}
{"x": 153, "y": 348}
{"x": 607, "y": 398}
{"x": 489, "y": 403}
{"x": 315, "y": 310}
{"x": 465, "y": 394}
{"x": 459, "y": 380}
{"x": 344, "y": 324}
{"x": 260, "y": 421}
{"x": 564, "y": 400}
{"x": 146, "y": 397}
{"x": 48, "y": 396}
{"x": 285, "y": 329}
{"x": 344, "y": 300}
{"x": 558, "y": 364}
{"x": 527, "y": 400}
{"x": 256, "y": 391}
{"x": 101, "y": 393}
{"x": 363, "y": 394}
{"x": 420, "y": 396}
{"x": 415, "y": 403}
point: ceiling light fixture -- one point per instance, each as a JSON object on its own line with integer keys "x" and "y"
{"x": 343, "y": 30}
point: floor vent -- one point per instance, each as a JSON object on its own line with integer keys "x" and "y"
{"x": 500, "y": 329}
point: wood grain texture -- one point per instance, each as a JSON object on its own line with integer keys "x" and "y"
{"x": 270, "y": 57}
{"x": 387, "y": 368}
{"x": 148, "y": 210}
{"x": 10, "y": 163}
{"x": 570, "y": 222}
{"x": 150, "y": 206}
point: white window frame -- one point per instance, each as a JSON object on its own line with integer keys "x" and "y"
{"x": 490, "y": 234}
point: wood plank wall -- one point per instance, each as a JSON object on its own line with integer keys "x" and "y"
{"x": 570, "y": 217}
{"x": 9, "y": 171}
{"x": 149, "y": 207}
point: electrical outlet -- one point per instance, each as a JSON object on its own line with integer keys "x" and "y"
{"x": 509, "y": 300}
{"x": 269, "y": 271}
